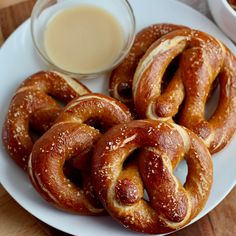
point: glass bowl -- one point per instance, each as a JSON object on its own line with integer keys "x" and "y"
{"x": 225, "y": 17}
{"x": 45, "y": 10}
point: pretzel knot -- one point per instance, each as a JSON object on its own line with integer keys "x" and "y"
{"x": 73, "y": 137}
{"x": 122, "y": 77}
{"x": 121, "y": 187}
{"x": 202, "y": 60}
{"x": 32, "y": 107}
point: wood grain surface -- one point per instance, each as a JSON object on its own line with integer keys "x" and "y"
{"x": 7, "y": 3}
{"x": 15, "y": 221}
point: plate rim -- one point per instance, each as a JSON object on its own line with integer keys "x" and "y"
{"x": 232, "y": 185}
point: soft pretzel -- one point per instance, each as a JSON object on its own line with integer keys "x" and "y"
{"x": 232, "y": 4}
{"x": 202, "y": 60}
{"x": 73, "y": 137}
{"x": 120, "y": 187}
{"x": 33, "y": 107}
{"x": 122, "y": 77}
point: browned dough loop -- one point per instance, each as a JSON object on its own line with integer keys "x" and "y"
{"x": 202, "y": 60}
{"x": 122, "y": 77}
{"x": 33, "y": 106}
{"x": 72, "y": 137}
{"x": 121, "y": 189}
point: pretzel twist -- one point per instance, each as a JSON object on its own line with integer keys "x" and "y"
{"x": 232, "y": 4}
{"x": 121, "y": 188}
{"x": 33, "y": 107}
{"x": 122, "y": 77}
{"x": 202, "y": 60}
{"x": 72, "y": 137}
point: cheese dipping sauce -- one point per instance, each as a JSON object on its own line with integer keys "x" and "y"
{"x": 84, "y": 39}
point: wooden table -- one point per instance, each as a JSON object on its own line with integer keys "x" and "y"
{"x": 15, "y": 221}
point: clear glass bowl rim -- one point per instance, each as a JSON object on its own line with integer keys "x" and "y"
{"x": 109, "y": 68}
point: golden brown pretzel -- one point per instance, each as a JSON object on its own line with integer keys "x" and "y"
{"x": 232, "y": 4}
{"x": 69, "y": 137}
{"x": 121, "y": 189}
{"x": 122, "y": 77}
{"x": 33, "y": 106}
{"x": 202, "y": 60}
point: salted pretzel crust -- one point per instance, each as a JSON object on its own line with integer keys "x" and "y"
{"x": 202, "y": 59}
{"x": 122, "y": 77}
{"x": 170, "y": 204}
{"x": 71, "y": 137}
{"x": 33, "y": 105}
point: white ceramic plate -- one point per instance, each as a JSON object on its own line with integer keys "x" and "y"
{"x": 18, "y": 60}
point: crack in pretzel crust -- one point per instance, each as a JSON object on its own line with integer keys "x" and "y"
{"x": 71, "y": 138}
{"x": 202, "y": 59}
{"x": 170, "y": 205}
{"x": 33, "y": 106}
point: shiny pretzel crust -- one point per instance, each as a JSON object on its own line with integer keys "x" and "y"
{"x": 32, "y": 105}
{"x": 122, "y": 76}
{"x": 202, "y": 60}
{"x": 120, "y": 189}
{"x": 70, "y": 137}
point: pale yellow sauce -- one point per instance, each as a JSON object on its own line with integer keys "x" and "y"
{"x": 83, "y": 39}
